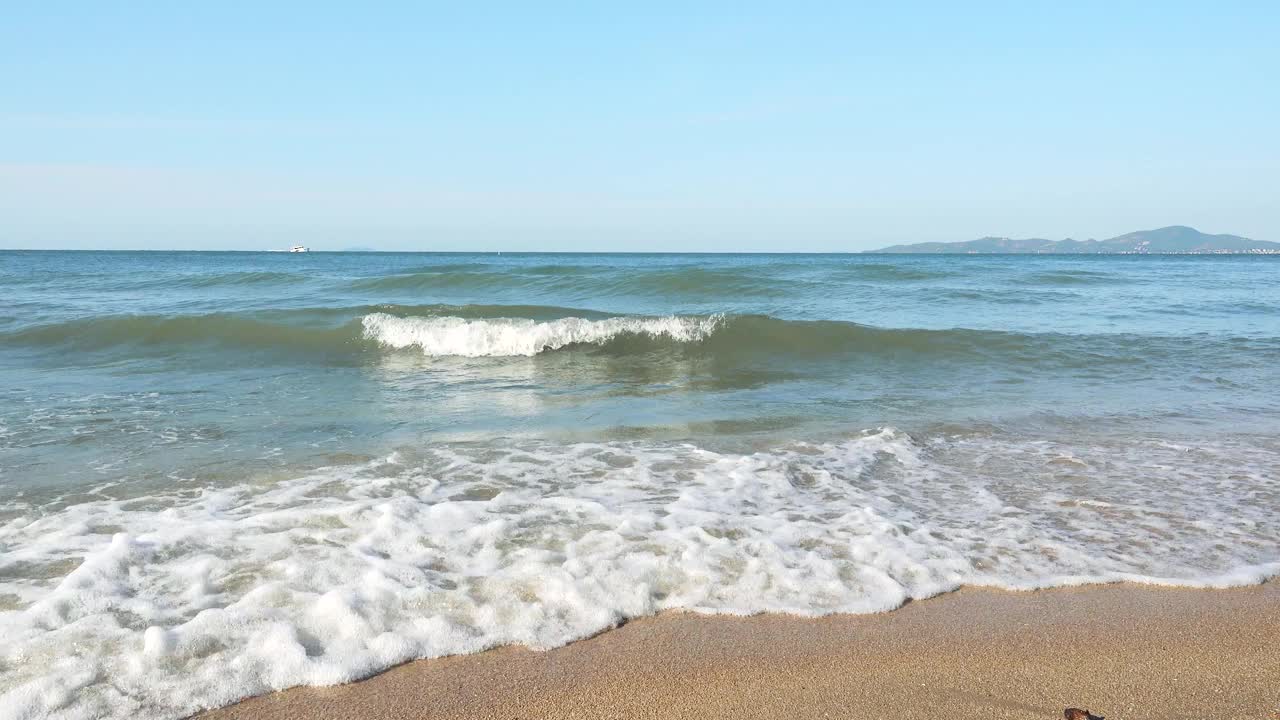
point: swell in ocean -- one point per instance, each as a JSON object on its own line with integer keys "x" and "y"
{"x": 778, "y": 280}
{"x": 512, "y": 331}
{"x": 228, "y": 473}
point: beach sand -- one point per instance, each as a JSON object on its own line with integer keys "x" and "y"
{"x": 1122, "y": 651}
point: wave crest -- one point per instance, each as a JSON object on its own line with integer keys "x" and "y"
{"x": 506, "y": 337}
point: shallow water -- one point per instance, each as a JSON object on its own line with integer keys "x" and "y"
{"x": 226, "y": 473}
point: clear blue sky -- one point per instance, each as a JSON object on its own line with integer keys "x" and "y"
{"x": 665, "y": 126}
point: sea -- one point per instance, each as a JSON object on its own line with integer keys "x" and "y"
{"x": 223, "y": 474}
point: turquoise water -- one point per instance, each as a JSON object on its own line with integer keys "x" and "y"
{"x": 233, "y": 472}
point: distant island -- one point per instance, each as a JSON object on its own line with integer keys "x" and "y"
{"x": 1172, "y": 240}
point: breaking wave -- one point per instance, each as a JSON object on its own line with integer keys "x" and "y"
{"x": 445, "y": 336}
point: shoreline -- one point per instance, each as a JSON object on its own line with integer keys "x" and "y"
{"x": 1121, "y": 650}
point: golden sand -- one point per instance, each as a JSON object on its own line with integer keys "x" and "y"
{"x": 1121, "y": 651}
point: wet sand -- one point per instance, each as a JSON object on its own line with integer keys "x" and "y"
{"x": 1122, "y": 651}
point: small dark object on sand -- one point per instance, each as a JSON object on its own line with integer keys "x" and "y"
{"x": 1078, "y": 714}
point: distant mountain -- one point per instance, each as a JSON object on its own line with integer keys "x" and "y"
{"x": 1175, "y": 239}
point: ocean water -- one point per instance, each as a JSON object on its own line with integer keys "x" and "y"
{"x": 227, "y": 473}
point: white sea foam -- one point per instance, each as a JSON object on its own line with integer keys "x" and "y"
{"x": 498, "y": 337}
{"x": 183, "y": 601}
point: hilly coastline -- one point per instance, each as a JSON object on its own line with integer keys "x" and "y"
{"x": 1172, "y": 240}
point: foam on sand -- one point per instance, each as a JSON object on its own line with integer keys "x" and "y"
{"x": 193, "y": 599}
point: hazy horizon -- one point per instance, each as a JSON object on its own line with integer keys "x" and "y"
{"x": 352, "y": 249}
{"x": 719, "y": 129}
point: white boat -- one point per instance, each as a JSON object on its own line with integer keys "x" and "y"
{"x": 298, "y": 248}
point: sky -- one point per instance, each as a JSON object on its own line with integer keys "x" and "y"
{"x": 658, "y": 126}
